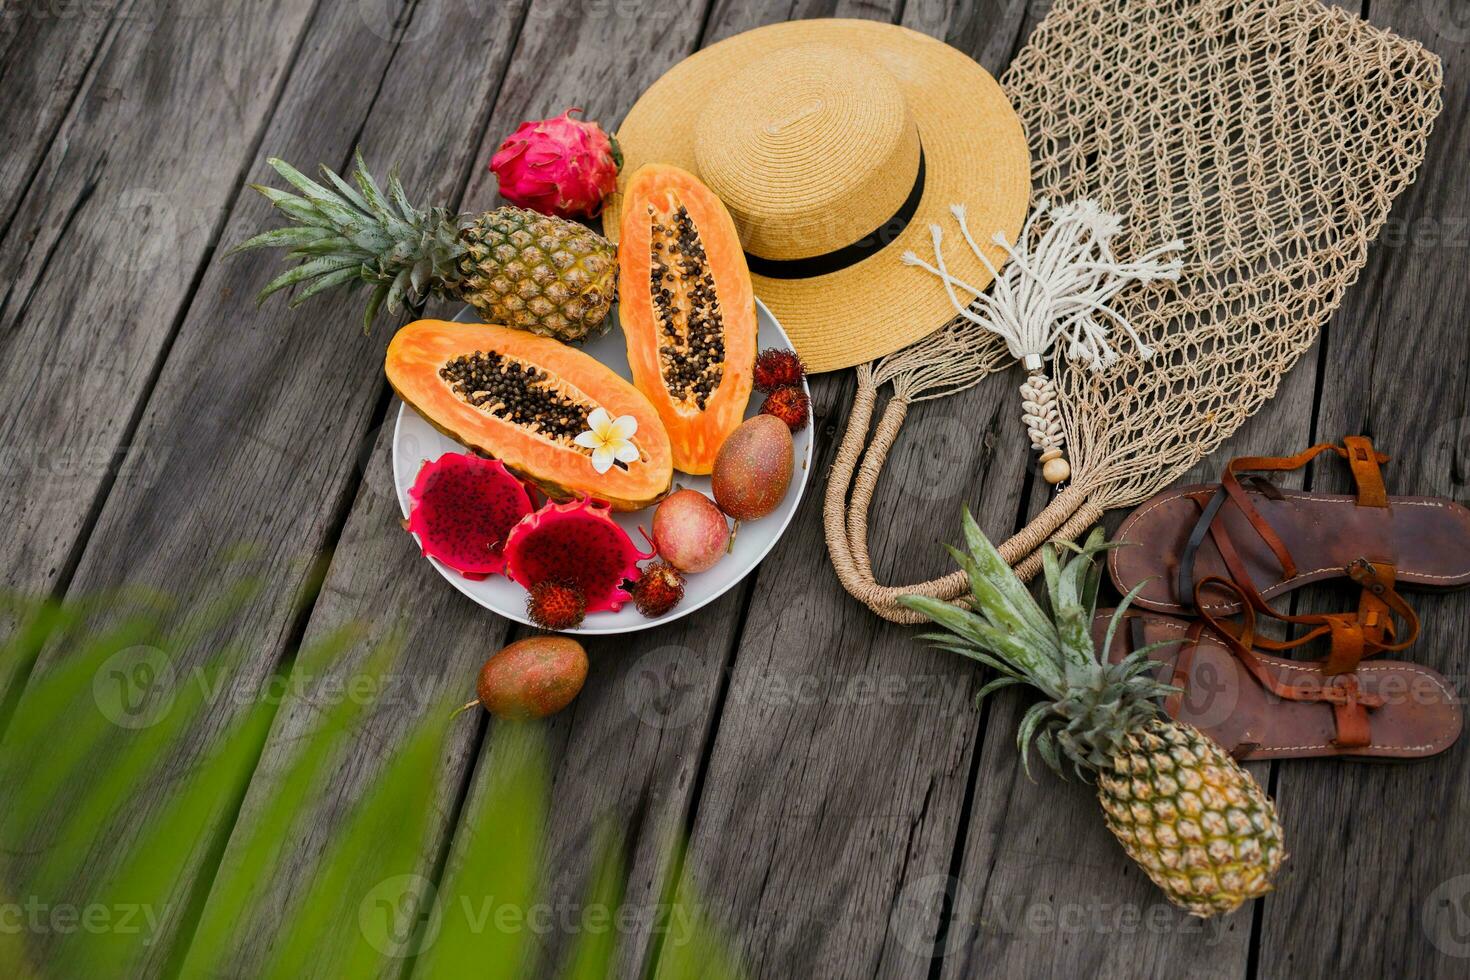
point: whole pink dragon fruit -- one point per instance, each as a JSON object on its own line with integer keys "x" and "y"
{"x": 462, "y": 508}
{"x": 576, "y": 541}
{"x": 559, "y": 166}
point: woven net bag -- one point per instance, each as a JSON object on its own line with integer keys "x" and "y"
{"x": 1271, "y": 137}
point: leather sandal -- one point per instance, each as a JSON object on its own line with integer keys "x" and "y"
{"x": 1263, "y": 707}
{"x": 1269, "y": 541}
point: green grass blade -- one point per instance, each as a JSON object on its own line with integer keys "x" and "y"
{"x": 148, "y": 875}
{"x": 596, "y": 952}
{"x": 253, "y": 849}
{"x": 693, "y": 947}
{"x": 495, "y": 866}
{"x": 61, "y": 720}
{"x": 109, "y": 789}
{"x": 382, "y": 843}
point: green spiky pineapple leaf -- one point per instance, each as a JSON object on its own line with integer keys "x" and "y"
{"x": 1091, "y": 704}
{"x": 341, "y": 237}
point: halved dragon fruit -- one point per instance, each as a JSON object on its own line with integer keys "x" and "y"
{"x": 579, "y": 541}
{"x": 462, "y": 508}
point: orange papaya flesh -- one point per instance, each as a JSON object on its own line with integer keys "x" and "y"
{"x": 687, "y": 309}
{"x": 523, "y": 399}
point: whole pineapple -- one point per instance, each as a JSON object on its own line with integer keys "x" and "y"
{"x": 516, "y": 267}
{"x": 1197, "y": 823}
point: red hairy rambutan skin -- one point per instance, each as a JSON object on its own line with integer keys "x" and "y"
{"x": 658, "y": 590}
{"x": 556, "y": 604}
{"x": 777, "y": 369}
{"x": 790, "y": 405}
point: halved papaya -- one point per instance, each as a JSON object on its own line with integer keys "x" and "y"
{"x": 687, "y": 309}
{"x": 523, "y": 400}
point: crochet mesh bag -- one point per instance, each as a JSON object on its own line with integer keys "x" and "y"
{"x": 1271, "y": 137}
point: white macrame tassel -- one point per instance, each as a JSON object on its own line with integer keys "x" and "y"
{"x": 1055, "y": 290}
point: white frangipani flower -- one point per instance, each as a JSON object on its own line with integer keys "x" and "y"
{"x": 609, "y": 439}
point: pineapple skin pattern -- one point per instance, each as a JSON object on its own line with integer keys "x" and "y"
{"x": 546, "y": 275}
{"x": 1197, "y": 823}
{"x": 1193, "y": 819}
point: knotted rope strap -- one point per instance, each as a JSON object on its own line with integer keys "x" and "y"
{"x": 846, "y": 521}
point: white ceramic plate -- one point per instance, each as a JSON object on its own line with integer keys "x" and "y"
{"x": 415, "y": 441}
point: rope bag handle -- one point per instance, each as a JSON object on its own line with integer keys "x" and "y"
{"x": 846, "y": 521}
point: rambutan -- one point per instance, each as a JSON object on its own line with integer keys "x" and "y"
{"x": 778, "y": 368}
{"x": 556, "y": 604}
{"x": 658, "y": 589}
{"x": 789, "y": 404}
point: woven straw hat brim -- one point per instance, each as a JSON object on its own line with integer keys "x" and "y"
{"x": 975, "y": 154}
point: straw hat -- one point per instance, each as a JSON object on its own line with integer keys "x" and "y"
{"x": 835, "y": 144}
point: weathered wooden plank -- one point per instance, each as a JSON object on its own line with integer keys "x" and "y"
{"x": 104, "y": 252}
{"x": 837, "y": 775}
{"x": 1018, "y": 874}
{"x": 625, "y": 758}
{"x": 652, "y": 777}
{"x": 730, "y": 17}
{"x": 1043, "y": 888}
{"x": 450, "y": 635}
{"x": 254, "y": 430}
{"x": 376, "y": 582}
{"x": 584, "y": 53}
{"x": 1380, "y": 860}
{"x": 47, "y": 52}
{"x": 627, "y": 753}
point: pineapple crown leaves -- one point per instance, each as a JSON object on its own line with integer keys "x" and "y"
{"x": 343, "y": 236}
{"x": 1091, "y": 705}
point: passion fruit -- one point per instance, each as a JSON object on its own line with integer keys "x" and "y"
{"x": 753, "y": 469}
{"x": 532, "y": 678}
{"x": 689, "y": 531}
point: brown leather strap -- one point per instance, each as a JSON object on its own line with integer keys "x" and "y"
{"x": 1350, "y": 703}
{"x": 1363, "y": 461}
{"x": 1366, "y": 633}
{"x": 1209, "y": 507}
{"x": 1354, "y": 636}
{"x": 1351, "y": 715}
{"x": 1182, "y": 668}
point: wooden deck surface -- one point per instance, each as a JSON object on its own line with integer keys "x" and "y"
{"x": 152, "y": 419}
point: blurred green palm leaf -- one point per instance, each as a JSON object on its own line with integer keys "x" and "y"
{"x": 371, "y": 896}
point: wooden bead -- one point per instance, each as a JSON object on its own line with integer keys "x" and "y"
{"x": 1056, "y": 470}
